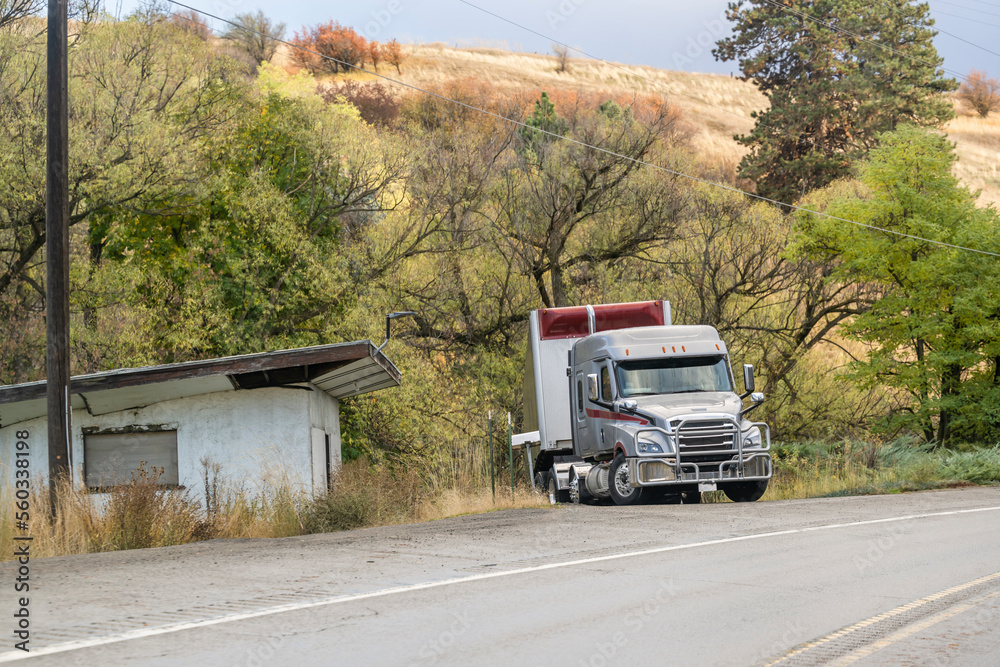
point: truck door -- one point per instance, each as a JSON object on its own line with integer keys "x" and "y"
{"x": 582, "y": 437}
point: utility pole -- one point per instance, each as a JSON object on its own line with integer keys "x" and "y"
{"x": 57, "y": 249}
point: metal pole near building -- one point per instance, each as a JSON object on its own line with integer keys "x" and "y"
{"x": 57, "y": 249}
{"x": 493, "y": 474}
{"x": 531, "y": 467}
{"x": 510, "y": 450}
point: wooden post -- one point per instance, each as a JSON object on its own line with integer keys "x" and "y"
{"x": 57, "y": 249}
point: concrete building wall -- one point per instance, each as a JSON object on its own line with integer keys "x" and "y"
{"x": 251, "y": 433}
{"x": 324, "y": 414}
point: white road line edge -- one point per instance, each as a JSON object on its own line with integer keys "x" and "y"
{"x": 12, "y": 656}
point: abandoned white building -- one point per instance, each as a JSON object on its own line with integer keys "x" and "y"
{"x": 253, "y": 414}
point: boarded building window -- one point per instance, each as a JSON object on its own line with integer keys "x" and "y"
{"x": 112, "y": 458}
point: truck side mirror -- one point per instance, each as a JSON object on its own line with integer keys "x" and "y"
{"x": 593, "y": 386}
{"x": 748, "y": 377}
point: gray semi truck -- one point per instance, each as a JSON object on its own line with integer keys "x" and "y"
{"x": 621, "y": 404}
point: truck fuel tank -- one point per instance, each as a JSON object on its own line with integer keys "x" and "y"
{"x": 589, "y": 481}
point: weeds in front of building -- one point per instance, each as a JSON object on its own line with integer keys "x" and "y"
{"x": 141, "y": 513}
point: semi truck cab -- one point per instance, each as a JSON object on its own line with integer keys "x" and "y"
{"x": 649, "y": 408}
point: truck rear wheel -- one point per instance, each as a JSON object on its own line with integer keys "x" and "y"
{"x": 555, "y": 495}
{"x": 745, "y": 492}
{"x": 619, "y": 485}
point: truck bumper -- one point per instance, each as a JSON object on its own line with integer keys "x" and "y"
{"x": 646, "y": 471}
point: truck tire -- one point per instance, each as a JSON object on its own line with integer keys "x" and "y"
{"x": 618, "y": 483}
{"x": 745, "y": 492}
{"x": 556, "y": 495}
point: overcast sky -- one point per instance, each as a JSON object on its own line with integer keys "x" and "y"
{"x": 670, "y": 34}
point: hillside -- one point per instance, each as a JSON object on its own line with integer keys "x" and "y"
{"x": 715, "y": 107}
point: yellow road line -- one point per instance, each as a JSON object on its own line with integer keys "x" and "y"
{"x": 907, "y": 631}
{"x": 883, "y": 616}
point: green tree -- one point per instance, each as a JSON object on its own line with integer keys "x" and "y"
{"x": 836, "y": 74}
{"x": 142, "y": 95}
{"x": 544, "y": 118}
{"x": 269, "y": 255}
{"x": 935, "y": 333}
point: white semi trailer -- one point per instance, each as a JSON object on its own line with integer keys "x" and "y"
{"x": 619, "y": 404}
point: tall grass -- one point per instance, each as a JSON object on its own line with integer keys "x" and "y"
{"x": 137, "y": 514}
{"x": 142, "y": 513}
{"x": 458, "y": 482}
{"x": 805, "y": 470}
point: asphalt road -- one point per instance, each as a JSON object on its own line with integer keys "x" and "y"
{"x": 904, "y": 579}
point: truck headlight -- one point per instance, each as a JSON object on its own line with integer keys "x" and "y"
{"x": 752, "y": 439}
{"x": 649, "y": 447}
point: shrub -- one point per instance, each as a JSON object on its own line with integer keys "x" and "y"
{"x": 365, "y": 495}
{"x": 192, "y": 22}
{"x": 141, "y": 513}
{"x": 375, "y": 102}
{"x": 562, "y": 58}
{"x": 981, "y": 466}
{"x": 980, "y": 93}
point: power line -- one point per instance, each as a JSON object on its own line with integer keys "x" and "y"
{"x": 952, "y": 35}
{"x": 978, "y": 11}
{"x": 988, "y": 4}
{"x": 962, "y": 39}
{"x": 964, "y": 18}
{"x": 577, "y": 142}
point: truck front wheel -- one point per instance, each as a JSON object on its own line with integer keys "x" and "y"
{"x": 622, "y": 492}
{"x": 745, "y": 492}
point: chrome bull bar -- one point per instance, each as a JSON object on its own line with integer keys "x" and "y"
{"x": 752, "y": 464}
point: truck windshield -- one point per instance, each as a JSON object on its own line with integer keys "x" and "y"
{"x": 677, "y": 375}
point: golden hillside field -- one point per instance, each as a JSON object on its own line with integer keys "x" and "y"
{"x": 715, "y": 107}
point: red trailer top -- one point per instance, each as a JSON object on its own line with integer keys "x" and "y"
{"x": 573, "y": 322}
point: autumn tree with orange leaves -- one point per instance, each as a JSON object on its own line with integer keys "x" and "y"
{"x": 394, "y": 55}
{"x": 329, "y": 47}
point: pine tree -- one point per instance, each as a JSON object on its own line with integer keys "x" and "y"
{"x": 837, "y": 73}
{"x": 544, "y": 118}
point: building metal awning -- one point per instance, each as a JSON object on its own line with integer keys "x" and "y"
{"x": 341, "y": 370}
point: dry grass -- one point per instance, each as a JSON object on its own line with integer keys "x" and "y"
{"x": 363, "y": 495}
{"x": 977, "y": 141}
{"x": 268, "y": 507}
{"x": 715, "y": 107}
{"x": 453, "y": 502}
{"x": 141, "y": 514}
{"x": 137, "y": 514}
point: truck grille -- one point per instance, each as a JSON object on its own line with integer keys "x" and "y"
{"x": 697, "y": 437}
